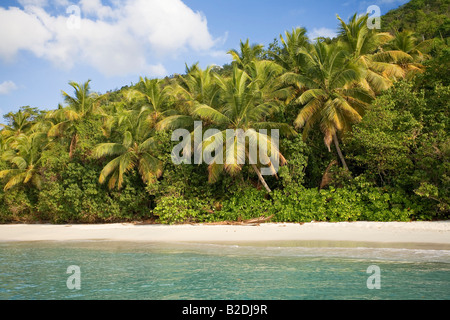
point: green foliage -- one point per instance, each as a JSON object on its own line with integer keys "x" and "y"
{"x": 403, "y": 142}
{"x": 16, "y": 206}
{"x": 298, "y": 204}
{"x": 380, "y": 101}
{"x": 245, "y": 203}
{"x": 297, "y": 151}
{"x": 76, "y": 196}
{"x": 177, "y": 209}
{"x": 342, "y": 204}
{"x": 429, "y": 18}
{"x": 383, "y": 141}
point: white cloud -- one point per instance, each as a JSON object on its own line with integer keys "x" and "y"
{"x": 167, "y": 25}
{"x": 37, "y": 3}
{"x": 322, "y": 32}
{"x": 127, "y": 37}
{"x": 6, "y": 87}
{"x": 21, "y": 31}
{"x": 96, "y": 8}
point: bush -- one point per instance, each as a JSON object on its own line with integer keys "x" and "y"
{"x": 16, "y": 205}
{"x": 71, "y": 193}
{"x": 298, "y": 204}
{"x": 246, "y": 202}
{"x": 341, "y": 204}
{"x": 176, "y": 209}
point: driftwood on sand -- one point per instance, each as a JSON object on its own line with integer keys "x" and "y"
{"x": 248, "y": 222}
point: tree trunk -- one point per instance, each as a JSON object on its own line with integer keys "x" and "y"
{"x": 73, "y": 145}
{"x": 261, "y": 178}
{"x": 338, "y": 149}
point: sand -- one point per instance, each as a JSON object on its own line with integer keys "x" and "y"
{"x": 432, "y": 233}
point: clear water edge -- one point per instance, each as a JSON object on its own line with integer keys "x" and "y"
{"x": 216, "y": 271}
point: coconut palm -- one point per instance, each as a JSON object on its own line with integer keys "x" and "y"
{"x": 242, "y": 105}
{"x": 365, "y": 47}
{"x": 334, "y": 100}
{"x": 116, "y": 113}
{"x": 266, "y": 79}
{"x": 289, "y": 58}
{"x": 196, "y": 87}
{"x": 81, "y": 105}
{"x": 153, "y": 99}
{"x": 247, "y": 54}
{"x": 135, "y": 151}
{"x": 25, "y": 160}
{"x": 20, "y": 122}
{"x": 405, "y": 41}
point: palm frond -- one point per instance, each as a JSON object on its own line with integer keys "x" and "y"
{"x": 307, "y": 112}
{"x": 15, "y": 180}
{"x": 284, "y": 128}
{"x": 311, "y": 94}
{"x": 175, "y": 122}
{"x": 58, "y": 129}
{"x": 111, "y": 167}
{"x": 108, "y": 149}
{"x": 211, "y": 113}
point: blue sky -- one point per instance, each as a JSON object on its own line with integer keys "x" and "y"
{"x": 47, "y": 43}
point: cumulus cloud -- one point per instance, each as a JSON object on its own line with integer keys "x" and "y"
{"x": 121, "y": 38}
{"x": 322, "y": 32}
{"x": 7, "y": 86}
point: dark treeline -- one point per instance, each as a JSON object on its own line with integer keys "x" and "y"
{"x": 363, "y": 121}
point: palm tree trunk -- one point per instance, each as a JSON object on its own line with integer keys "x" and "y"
{"x": 338, "y": 149}
{"x": 261, "y": 178}
{"x": 73, "y": 145}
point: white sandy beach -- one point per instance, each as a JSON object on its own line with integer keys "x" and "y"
{"x": 437, "y": 233}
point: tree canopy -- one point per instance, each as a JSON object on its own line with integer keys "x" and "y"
{"x": 362, "y": 134}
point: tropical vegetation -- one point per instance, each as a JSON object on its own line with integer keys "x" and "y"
{"x": 363, "y": 124}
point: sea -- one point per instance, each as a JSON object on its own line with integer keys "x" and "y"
{"x": 302, "y": 270}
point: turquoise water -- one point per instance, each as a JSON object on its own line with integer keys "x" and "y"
{"x": 112, "y": 270}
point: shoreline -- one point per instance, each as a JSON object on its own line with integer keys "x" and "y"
{"x": 433, "y": 234}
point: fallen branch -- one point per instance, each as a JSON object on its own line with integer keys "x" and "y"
{"x": 248, "y": 222}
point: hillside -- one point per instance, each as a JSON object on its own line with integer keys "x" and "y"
{"x": 428, "y": 18}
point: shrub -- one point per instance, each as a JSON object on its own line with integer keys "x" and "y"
{"x": 246, "y": 202}
{"x": 176, "y": 209}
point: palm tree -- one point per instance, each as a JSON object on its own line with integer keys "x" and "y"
{"x": 154, "y": 99}
{"x": 196, "y": 87}
{"x": 79, "y": 106}
{"x": 242, "y": 105}
{"x": 334, "y": 99}
{"x": 20, "y": 122}
{"x": 115, "y": 113}
{"x": 289, "y": 58}
{"x": 365, "y": 47}
{"x": 406, "y": 42}
{"x": 135, "y": 151}
{"x": 247, "y": 54}
{"x": 266, "y": 79}
{"x": 25, "y": 160}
